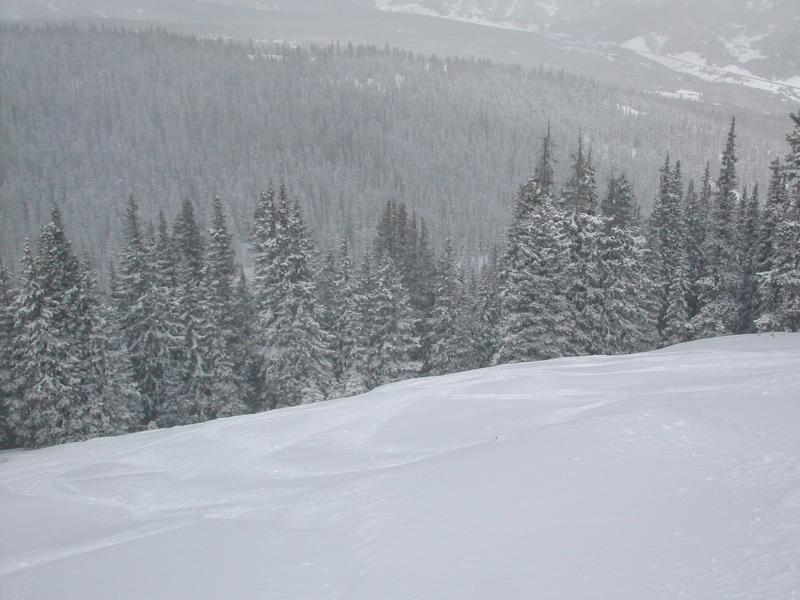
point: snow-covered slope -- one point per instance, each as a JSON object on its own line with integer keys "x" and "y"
{"x": 668, "y": 474}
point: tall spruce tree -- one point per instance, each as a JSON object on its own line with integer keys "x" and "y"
{"x": 779, "y": 282}
{"x": 777, "y": 197}
{"x": 487, "y": 310}
{"x": 46, "y": 379}
{"x": 327, "y": 278}
{"x": 536, "y": 318}
{"x": 196, "y": 397}
{"x": 748, "y": 224}
{"x": 403, "y": 239}
{"x": 624, "y": 320}
{"x": 113, "y": 403}
{"x": 619, "y": 204}
{"x": 585, "y": 227}
{"x": 695, "y": 218}
{"x": 580, "y": 192}
{"x": 666, "y": 235}
{"x": 345, "y": 321}
{"x": 296, "y": 359}
{"x": 265, "y": 249}
{"x": 584, "y": 293}
{"x": 675, "y": 327}
{"x": 144, "y": 308}
{"x": 6, "y": 349}
{"x": 246, "y": 345}
{"x": 544, "y": 166}
{"x": 355, "y": 378}
{"x": 450, "y": 328}
{"x": 227, "y": 392}
{"x": 717, "y": 315}
{"x": 55, "y": 396}
{"x": 388, "y": 328}
{"x": 420, "y": 282}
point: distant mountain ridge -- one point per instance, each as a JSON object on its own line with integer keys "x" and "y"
{"x": 737, "y": 38}
{"x": 680, "y": 49}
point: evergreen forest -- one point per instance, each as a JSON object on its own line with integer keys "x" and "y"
{"x": 89, "y": 116}
{"x": 184, "y": 333}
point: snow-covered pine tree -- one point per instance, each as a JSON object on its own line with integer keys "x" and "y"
{"x": 772, "y": 214}
{"x": 269, "y": 233}
{"x": 779, "y": 286}
{"x": 327, "y": 278}
{"x": 246, "y": 344}
{"x": 355, "y": 377}
{"x": 676, "y": 317}
{"x": 345, "y": 322}
{"x": 669, "y": 266}
{"x": 579, "y": 195}
{"x": 536, "y": 318}
{"x": 53, "y": 395}
{"x": 777, "y": 197}
{"x": 695, "y": 218}
{"x": 166, "y": 335}
{"x": 717, "y": 315}
{"x": 793, "y": 156}
{"x": 487, "y": 311}
{"x": 392, "y": 236}
{"x": 619, "y": 204}
{"x": 624, "y": 322}
{"x": 748, "y": 224}
{"x": 144, "y": 309}
{"x": 226, "y": 392}
{"x": 296, "y": 359}
{"x": 188, "y": 244}
{"x": 46, "y": 377}
{"x": 405, "y": 241}
{"x": 113, "y": 405}
{"x": 544, "y": 165}
{"x": 788, "y": 233}
{"x": 264, "y": 239}
{"x": 586, "y": 233}
{"x": 450, "y": 330}
{"x": 388, "y": 327}
{"x": 219, "y": 273}
{"x": 585, "y": 228}
{"x": 196, "y": 401}
{"x": 6, "y": 348}
{"x": 420, "y": 281}
{"x": 645, "y": 336}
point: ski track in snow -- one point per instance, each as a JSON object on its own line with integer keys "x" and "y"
{"x": 667, "y": 474}
{"x": 33, "y": 559}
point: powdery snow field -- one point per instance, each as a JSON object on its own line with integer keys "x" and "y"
{"x": 667, "y": 474}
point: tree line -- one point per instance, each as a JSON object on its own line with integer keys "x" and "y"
{"x": 184, "y": 334}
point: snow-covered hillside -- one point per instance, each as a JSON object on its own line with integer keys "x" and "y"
{"x": 745, "y": 42}
{"x": 668, "y": 474}
{"x": 734, "y": 50}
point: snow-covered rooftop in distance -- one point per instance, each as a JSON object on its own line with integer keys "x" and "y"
{"x": 668, "y": 474}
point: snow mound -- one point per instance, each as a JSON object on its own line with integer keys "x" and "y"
{"x": 666, "y": 474}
